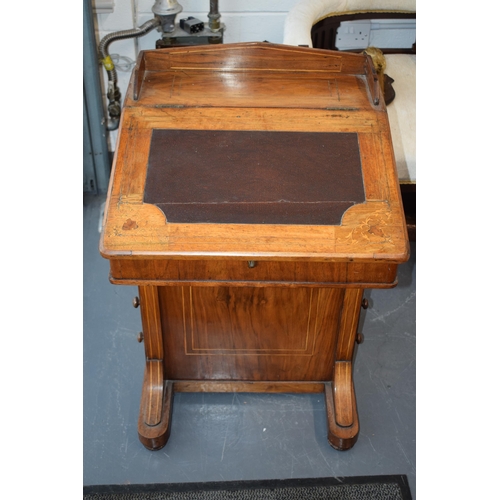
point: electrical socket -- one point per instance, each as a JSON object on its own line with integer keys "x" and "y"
{"x": 353, "y": 35}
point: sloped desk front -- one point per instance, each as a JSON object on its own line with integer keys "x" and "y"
{"x": 253, "y": 199}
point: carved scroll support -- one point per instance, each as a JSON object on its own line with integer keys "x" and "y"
{"x": 155, "y": 415}
{"x": 157, "y": 394}
{"x": 341, "y": 408}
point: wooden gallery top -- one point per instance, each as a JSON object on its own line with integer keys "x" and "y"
{"x": 254, "y": 152}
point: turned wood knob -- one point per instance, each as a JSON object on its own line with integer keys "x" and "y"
{"x": 136, "y": 302}
{"x": 140, "y": 337}
{"x": 364, "y": 303}
{"x": 360, "y": 338}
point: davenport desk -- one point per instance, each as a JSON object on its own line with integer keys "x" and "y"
{"x": 253, "y": 198}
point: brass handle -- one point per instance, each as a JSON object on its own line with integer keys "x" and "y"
{"x": 140, "y": 337}
{"x": 136, "y": 302}
{"x": 251, "y": 264}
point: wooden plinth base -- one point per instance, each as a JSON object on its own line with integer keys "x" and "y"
{"x": 343, "y": 426}
{"x": 155, "y": 415}
{"x": 341, "y": 437}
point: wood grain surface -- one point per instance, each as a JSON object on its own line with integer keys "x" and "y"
{"x": 249, "y": 334}
{"x": 254, "y": 87}
{"x": 252, "y": 300}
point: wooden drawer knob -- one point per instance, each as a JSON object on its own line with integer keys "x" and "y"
{"x": 364, "y": 303}
{"x": 140, "y": 337}
{"x": 136, "y": 302}
{"x": 360, "y": 338}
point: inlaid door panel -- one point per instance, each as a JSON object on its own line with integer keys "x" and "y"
{"x": 249, "y": 333}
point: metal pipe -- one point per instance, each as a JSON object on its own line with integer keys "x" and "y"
{"x": 214, "y": 16}
{"x": 166, "y": 10}
{"x": 113, "y": 93}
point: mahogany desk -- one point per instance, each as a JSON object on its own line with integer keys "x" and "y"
{"x": 253, "y": 198}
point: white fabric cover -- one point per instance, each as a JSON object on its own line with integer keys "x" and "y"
{"x": 400, "y": 67}
{"x": 402, "y": 113}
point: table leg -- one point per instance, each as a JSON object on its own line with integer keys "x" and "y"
{"x": 157, "y": 394}
{"x": 341, "y": 408}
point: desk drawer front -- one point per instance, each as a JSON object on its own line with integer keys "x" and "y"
{"x": 198, "y": 272}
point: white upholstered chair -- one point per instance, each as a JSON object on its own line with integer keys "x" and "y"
{"x": 400, "y": 67}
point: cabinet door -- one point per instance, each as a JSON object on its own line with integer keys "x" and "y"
{"x": 249, "y": 333}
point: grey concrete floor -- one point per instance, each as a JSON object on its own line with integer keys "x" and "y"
{"x": 226, "y": 437}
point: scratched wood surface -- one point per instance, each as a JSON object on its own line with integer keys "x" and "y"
{"x": 254, "y": 87}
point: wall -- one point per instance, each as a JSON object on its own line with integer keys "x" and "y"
{"x": 245, "y": 21}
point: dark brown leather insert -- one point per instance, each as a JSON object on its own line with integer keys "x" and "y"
{"x": 254, "y": 177}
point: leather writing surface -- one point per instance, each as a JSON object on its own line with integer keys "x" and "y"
{"x": 254, "y": 177}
